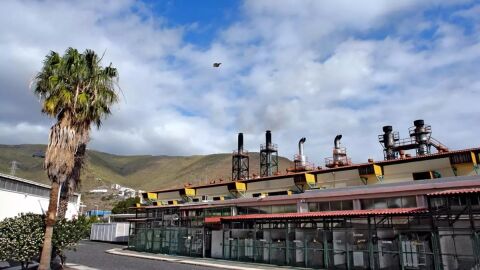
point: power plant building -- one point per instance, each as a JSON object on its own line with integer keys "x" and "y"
{"x": 418, "y": 211}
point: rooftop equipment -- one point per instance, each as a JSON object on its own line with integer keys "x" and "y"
{"x": 388, "y": 139}
{"x": 301, "y": 157}
{"x": 268, "y": 156}
{"x": 240, "y": 161}
{"x": 339, "y": 157}
{"x": 300, "y": 160}
{"x": 420, "y": 139}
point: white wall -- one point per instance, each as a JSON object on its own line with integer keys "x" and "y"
{"x": 14, "y": 203}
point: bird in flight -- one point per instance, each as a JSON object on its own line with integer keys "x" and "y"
{"x": 216, "y": 65}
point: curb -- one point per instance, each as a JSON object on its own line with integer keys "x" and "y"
{"x": 121, "y": 252}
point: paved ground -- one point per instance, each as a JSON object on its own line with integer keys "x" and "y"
{"x": 91, "y": 255}
{"x": 103, "y": 256}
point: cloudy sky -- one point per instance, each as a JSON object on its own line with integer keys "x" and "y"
{"x": 309, "y": 69}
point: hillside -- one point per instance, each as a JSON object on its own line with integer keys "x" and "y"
{"x": 139, "y": 172}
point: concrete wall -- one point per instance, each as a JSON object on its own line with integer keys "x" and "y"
{"x": 172, "y": 195}
{"x": 273, "y": 185}
{"x": 403, "y": 171}
{"x": 14, "y": 203}
{"x": 339, "y": 179}
{"x": 213, "y": 191}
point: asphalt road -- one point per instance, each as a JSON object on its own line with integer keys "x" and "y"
{"x": 92, "y": 254}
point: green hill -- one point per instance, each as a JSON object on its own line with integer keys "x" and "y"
{"x": 139, "y": 172}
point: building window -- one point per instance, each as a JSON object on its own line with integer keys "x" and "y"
{"x": 474, "y": 200}
{"x": 330, "y": 206}
{"x": 226, "y": 211}
{"x": 394, "y": 202}
{"x": 313, "y": 207}
{"x": 438, "y": 203}
{"x": 422, "y": 175}
{"x": 292, "y": 208}
{"x": 287, "y": 208}
{"x": 458, "y": 201}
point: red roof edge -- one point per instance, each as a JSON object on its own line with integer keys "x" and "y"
{"x": 343, "y": 213}
{"x": 455, "y": 191}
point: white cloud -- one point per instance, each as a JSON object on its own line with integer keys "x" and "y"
{"x": 314, "y": 69}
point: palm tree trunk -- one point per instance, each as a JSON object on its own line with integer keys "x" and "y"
{"x": 72, "y": 184}
{"x": 63, "y": 203}
{"x": 50, "y": 222}
{"x": 59, "y": 163}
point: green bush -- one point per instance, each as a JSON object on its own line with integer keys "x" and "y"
{"x": 122, "y": 207}
{"x": 67, "y": 233}
{"x": 21, "y": 237}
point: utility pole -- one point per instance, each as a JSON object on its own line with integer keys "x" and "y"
{"x": 13, "y": 167}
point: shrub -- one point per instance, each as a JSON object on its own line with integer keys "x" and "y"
{"x": 67, "y": 233}
{"x": 21, "y": 238}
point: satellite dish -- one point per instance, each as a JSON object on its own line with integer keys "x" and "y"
{"x": 175, "y": 217}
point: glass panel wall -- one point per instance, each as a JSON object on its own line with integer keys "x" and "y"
{"x": 330, "y": 206}
{"x": 394, "y": 202}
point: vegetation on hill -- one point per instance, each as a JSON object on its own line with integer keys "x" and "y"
{"x": 140, "y": 172}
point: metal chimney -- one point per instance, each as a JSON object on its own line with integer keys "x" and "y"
{"x": 240, "y": 142}
{"x": 301, "y": 154}
{"x": 389, "y": 142}
{"x": 268, "y": 138}
{"x": 268, "y": 156}
{"x": 240, "y": 161}
{"x": 339, "y": 155}
{"x": 336, "y": 141}
{"x": 336, "y": 150}
{"x": 422, "y": 137}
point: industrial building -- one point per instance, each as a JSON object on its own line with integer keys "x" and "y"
{"x": 418, "y": 210}
{"x": 18, "y": 195}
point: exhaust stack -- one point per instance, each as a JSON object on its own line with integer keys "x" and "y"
{"x": 268, "y": 156}
{"x": 421, "y": 135}
{"x": 240, "y": 142}
{"x": 420, "y": 139}
{"x": 339, "y": 157}
{"x": 300, "y": 151}
{"x": 388, "y": 140}
{"x": 336, "y": 142}
{"x": 240, "y": 161}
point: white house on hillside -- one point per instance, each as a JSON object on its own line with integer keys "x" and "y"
{"x": 18, "y": 195}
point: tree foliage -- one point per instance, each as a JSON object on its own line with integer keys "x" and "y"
{"x": 21, "y": 237}
{"x": 67, "y": 233}
{"x": 122, "y": 207}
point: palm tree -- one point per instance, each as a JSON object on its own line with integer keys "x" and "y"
{"x": 77, "y": 91}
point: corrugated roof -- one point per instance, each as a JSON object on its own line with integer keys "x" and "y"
{"x": 343, "y": 213}
{"x": 15, "y": 178}
{"x": 455, "y": 191}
